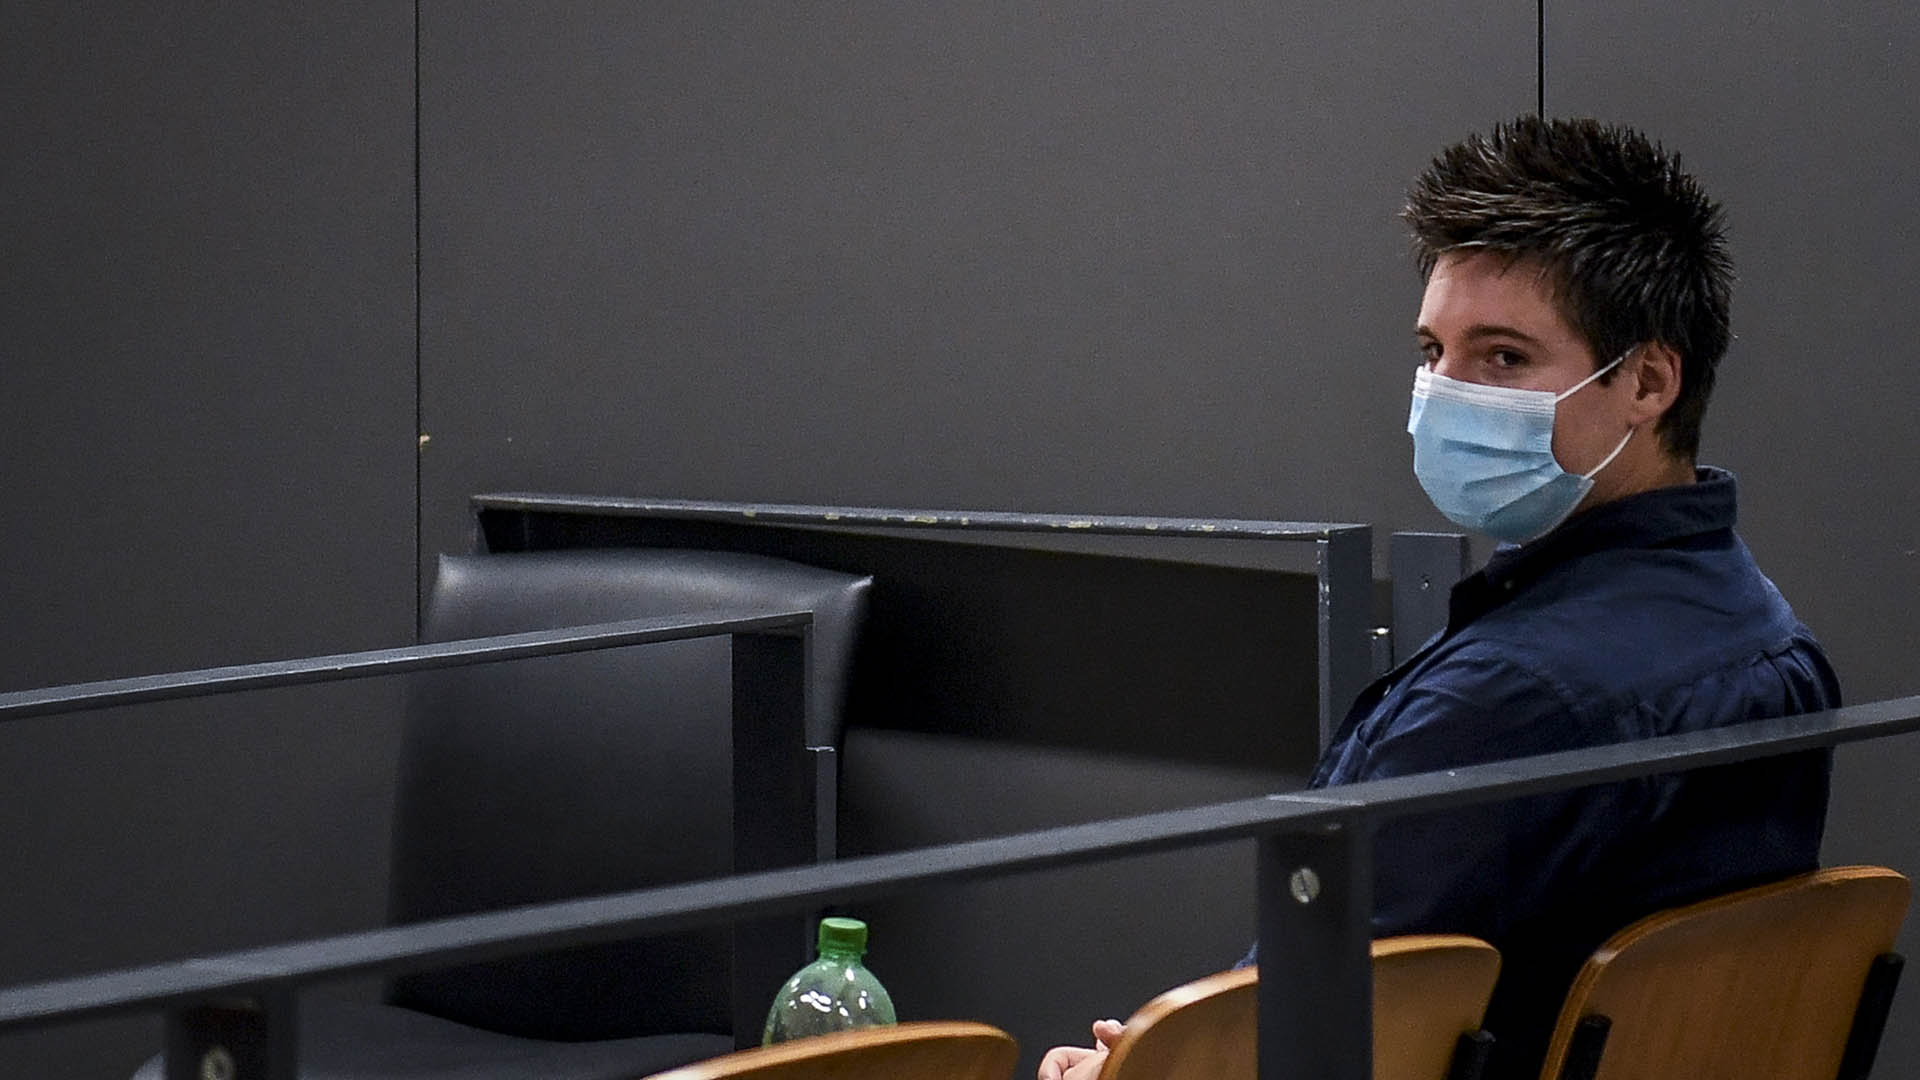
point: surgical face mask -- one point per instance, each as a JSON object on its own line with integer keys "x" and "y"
{"x": 1484, "y": 454}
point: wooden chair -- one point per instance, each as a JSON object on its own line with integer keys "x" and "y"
{"x": 1782, "y": 982}
{"x": 933, "y": 1050}
{"x": 1429, "y": 993}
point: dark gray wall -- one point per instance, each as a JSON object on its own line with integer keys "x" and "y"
{"x": 1806, "y": 122}
{"x": 1131, "y": 257}
{"x": 206, "y": 389}
{"x": 1134, "y": 257}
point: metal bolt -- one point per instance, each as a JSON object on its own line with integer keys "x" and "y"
{"x": 1304, "y": 884}
{"x": 216, "y": 1064}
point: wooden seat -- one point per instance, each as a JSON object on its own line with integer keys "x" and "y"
{"x": 1428, "y": 991}
{"x": 933, "y": 1050}
{"x": 1762, "y": 984}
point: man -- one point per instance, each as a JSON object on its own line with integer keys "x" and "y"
{"x": 1575, "y": 311}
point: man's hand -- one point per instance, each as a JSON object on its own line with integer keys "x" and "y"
{"x": 1078, "y": 1062}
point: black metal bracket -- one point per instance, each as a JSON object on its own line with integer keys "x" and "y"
{"x": 1470, "y": 1054}
{"x": 1585, "y": 1049}
{"x": 1870, "y": 1016}
{"x": 233, "y": 1039}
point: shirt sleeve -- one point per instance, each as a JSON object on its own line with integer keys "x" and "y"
{"x": 1474, "y": 708}
{"x": 1460, "y": 871}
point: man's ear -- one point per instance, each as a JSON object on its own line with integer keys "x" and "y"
{"x": 1656, "y": 382}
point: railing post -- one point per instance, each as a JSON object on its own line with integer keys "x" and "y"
{"x": 1425, "y": 568}
{"x": 238, "y": 1039}
{"x": 776, "y": 810}
{"x": 1346, "y": 621}
{"x": 1316, "y": 969}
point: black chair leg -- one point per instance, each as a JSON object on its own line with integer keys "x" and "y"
{"x": 1470, "y": 1056}
{"x": 1583, "y": 1051}
{"x": 1870, "y": 1017}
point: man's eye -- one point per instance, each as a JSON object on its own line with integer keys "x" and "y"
{"x": 1430, "y": 353}
{"x": 1507, "y": 358}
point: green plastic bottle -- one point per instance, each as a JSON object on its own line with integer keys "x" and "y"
{"x": 834, "y": 993}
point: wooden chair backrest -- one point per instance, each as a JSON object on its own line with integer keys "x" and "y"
{"x": 1428, "y": 990}
{"x": 933, "y": 1050}
{"x": 1759, "y": 984}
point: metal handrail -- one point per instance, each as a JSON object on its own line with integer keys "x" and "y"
{"x": 897, "y": 517}
{"x": 1343, "y": 554}
{"x": 1319, "y": 838}
{"x": 374, "y": 663}
{"x": 769, "y": 651}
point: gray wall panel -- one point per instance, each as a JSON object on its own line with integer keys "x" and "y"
{"x": 1805, "y": 120}
{"x": 1099, "y": 256}
{"x": 206, "y": 384}
{"x": 1136, "y": 257}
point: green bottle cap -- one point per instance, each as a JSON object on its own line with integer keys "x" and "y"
{"x": 843, "y": 936}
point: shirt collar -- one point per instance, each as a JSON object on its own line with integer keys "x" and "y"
{"x": 1648, "y": 519}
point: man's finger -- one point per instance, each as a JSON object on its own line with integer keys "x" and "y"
{"x": 1059, "y": 1059}
{"x": 1087, "y": 1068}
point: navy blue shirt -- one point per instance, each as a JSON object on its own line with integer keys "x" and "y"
{"x": 1645, "y": 616}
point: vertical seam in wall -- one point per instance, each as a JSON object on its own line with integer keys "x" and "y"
{"x": 419, "y": 506}
{"x": 1540, "y": 58}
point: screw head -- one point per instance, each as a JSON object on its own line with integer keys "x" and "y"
{"x": 1304, "y": 884}
{"x": 216, "y": 1064}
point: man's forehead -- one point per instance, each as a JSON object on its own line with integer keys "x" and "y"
{"x": 1479, "y": 292}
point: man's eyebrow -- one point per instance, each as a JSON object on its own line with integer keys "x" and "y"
{"x": 1483, "y": 330}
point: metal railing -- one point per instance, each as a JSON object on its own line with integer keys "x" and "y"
{"x": 781, "y": 797}
{"x": 1313, "y": 867}
{"x": 1343, "y": 552}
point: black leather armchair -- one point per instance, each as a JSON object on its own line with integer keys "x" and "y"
{"x": 568, "y": 776}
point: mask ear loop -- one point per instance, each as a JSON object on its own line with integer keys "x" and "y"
{"x": 1609, "y": 457}
{"x": 1608, "y": 460}
{"x": 1577, "y": 387}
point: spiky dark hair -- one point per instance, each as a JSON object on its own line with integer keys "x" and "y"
{"x": 1631, "y": 248}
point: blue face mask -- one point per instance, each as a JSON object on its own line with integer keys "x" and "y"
{"x": 1484, "y": 454}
